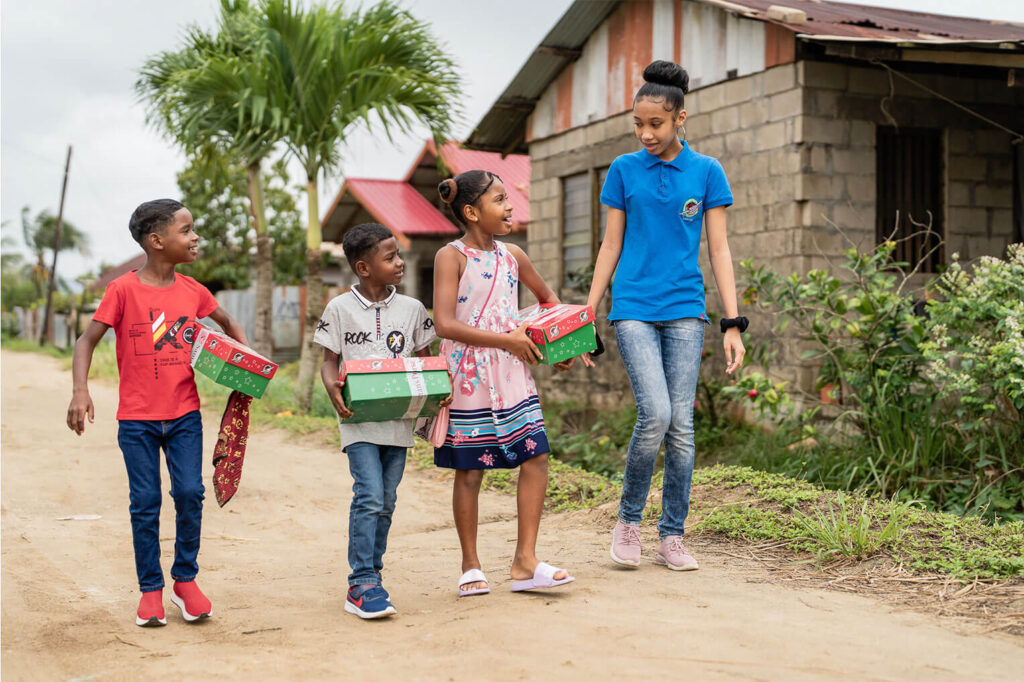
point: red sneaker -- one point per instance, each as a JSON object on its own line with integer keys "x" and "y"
{"x": 192, "y": 602}
{"x": 151, "y": 609}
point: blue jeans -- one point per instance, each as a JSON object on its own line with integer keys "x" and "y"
{"x": 662, "y": 360}
{"x": 376, "y": 472}
{"x": 182, "y": 443}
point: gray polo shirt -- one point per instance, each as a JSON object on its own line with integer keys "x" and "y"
{"x": 359, "y": 329}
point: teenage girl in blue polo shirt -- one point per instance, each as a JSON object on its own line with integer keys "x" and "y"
{"x": 658, "y": 198}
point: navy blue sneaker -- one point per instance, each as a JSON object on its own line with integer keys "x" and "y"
{"x": 368, "y": 601}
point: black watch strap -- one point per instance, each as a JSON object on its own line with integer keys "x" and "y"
{"x": 740, "y": 323}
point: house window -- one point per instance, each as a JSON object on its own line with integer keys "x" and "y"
{"x": 577, "y": 225}
{"x": 909, "y": 211}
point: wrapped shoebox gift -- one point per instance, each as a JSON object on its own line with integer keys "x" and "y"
{"x": 231, "y": 363}
{"x": 395, "y": 388}
{"x": 561, "y": 331}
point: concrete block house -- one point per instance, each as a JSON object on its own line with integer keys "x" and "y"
{"x": 822, "y": 114}
{"x": 411, "y": 209}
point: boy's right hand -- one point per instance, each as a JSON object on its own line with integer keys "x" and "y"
{"x": 338, "y": 401}
{"x": 520, "y": 345}
{"x": 80, "y": 408}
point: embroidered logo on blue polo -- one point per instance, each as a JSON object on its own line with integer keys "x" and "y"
{"x": 690, "y": 208}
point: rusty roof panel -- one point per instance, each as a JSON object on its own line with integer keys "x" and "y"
{"x": 878, "y": 23}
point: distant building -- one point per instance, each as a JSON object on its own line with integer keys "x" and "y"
{"x": 412, "y": 210}
{"x": 821, "y": 113}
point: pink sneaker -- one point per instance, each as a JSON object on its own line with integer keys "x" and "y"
{"x": 626, "y": 545}
{"x": 673, "y": 554}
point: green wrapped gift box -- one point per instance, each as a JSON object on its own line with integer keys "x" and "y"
{"x": 560, "y": 331}
{"x": 394, "y": 388}
{"x": 231, "y": 363}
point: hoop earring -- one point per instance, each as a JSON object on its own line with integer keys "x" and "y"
{"x": 683, "y": 128}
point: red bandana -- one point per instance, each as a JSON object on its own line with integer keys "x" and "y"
{"x": 229, "y": 452}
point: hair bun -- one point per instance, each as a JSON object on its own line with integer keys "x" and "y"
{"x": 448, "y": 190}
{"x": 662, "y": 72}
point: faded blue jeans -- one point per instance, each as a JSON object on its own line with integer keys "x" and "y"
{"x": 376, "y": 472}
{"x": 182, "y": 442}
{"x": 662, "y": 360}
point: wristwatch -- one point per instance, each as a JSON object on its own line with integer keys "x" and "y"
{"x": 740, "y": 323}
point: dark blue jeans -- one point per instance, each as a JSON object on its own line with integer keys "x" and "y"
{"x": 182, "y": 443}
{"x": 376, "y": 472}
{"x": 662, "y": 360}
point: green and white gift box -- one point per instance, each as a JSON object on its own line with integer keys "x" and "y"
{"x": 394, "y": 388}
{"x": 560, "y": 330}
{"x": 231, "y": 363}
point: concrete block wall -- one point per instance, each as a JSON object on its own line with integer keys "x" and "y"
{"x": 844, "y": 104}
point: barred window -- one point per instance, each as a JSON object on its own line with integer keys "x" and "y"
{"x": 909, "y": 171}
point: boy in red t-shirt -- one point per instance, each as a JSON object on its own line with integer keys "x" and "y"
{"x": 153, "y": 311}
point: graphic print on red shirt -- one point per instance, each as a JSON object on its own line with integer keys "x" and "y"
{"x": 154, "y": 327}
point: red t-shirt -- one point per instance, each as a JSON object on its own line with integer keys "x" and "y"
{"x": 154, "y": 327}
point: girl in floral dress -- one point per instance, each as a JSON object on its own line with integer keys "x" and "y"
{"x": 495, "y": 418}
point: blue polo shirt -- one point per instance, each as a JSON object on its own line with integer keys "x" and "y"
{"x": 658, "y": 277}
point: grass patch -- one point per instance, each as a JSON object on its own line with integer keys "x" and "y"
{"x": 30, "y": 346}
{"x": 757, "y": 506}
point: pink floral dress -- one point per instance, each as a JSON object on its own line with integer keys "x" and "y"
{"x": 496, "y": 420}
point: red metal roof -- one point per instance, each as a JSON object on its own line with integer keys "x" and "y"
{"x": 398, "y": 206}
{"x": 860, "y": 22}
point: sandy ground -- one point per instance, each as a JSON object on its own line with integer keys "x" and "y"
{"x": 274, "y": 563}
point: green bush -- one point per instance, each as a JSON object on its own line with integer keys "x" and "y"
{"x": 932, "y": 395}
{"x": 591, "y": 440}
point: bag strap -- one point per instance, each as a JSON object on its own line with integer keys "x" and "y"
{"x": 494, "y": 280}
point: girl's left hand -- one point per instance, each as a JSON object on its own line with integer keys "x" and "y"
{"x": 734, "y": 350}
{"x": 565, "y": 365}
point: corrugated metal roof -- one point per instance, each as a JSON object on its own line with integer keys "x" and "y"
{"x": 503, "y": 127}
{"x": 878, "y": 23}
{"x": 559, "y": 48}
{"x": 398, "y": 206}
{"x": 514, "y": 171}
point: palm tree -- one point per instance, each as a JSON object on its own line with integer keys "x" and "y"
{"x": 39, "y": 234}
{"x": 209, "y": 98}
{"x": 333, "y": 69}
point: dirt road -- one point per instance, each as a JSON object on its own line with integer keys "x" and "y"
{"x": 274, "y": 563}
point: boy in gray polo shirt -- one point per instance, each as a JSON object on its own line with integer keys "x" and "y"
{"x": 371, "y": 322}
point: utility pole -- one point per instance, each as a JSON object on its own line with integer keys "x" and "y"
{"x": 44, "y": 337}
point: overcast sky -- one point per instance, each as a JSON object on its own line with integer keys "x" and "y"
{"x": 67, "y": 69}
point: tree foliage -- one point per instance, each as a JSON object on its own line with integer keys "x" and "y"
{"x": 216, "y": 193}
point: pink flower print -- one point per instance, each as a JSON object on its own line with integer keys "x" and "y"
{"x": 459, "y": 438}
{"x": 466, "y": 386}
{"x": 487, "y": 458}
{"x": 531, "y": 445}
